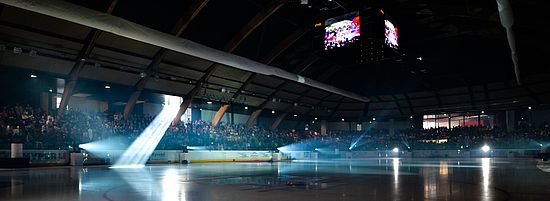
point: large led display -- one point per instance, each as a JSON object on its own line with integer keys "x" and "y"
{"x": 391, "y": 38}
{"x": 342, "y": 31}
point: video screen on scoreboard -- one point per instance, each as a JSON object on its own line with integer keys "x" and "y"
{"x": 342, "y": 31}
{"x": 392, "y": 36}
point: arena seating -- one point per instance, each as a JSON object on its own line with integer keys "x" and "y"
{"x": 40, "y": 130}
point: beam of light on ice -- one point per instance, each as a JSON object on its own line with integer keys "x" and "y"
{"x": 141, "y": 149}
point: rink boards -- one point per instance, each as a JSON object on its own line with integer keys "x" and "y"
{"x": 173, "y": 156}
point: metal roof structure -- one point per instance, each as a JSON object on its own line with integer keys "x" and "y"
{"x": 457, "y": 56}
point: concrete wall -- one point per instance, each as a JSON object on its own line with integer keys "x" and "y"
{"x": 84, "y": 104}
{"x": 240, "y": 118}
{"x": 152, "y": 109}
{"x": 289, "y": 122}
{"x": 340, "y": 126}
{"x": 208, "y": 115}
{"x": 539, "y": 117}
{"x": 262, "y": 121}
{"x": 352, "y": 126}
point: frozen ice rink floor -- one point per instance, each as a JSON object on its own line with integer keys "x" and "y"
{"x": 346, "y": 180}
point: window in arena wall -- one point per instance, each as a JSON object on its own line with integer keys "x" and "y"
{"x": 455, "y": 120}
{"x": 186, "y": 117}
{"x": 57, "y": 101}
{"x": 176, "y": 100}
{"x": 435, "y": 121}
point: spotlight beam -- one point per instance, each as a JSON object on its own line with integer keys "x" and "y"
{"x": 141, "y": 149}
{"x": 354, "y": 143}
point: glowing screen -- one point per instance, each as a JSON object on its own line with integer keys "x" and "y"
{"x": 391, "y": 34}
{"x": 342, "y": 31}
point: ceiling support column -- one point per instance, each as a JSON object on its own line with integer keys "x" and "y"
{"x": 183, "y": 108}
{"x": 238, "y": 38}
{"x": 278, "y": 121}
{"x": 180, "y": 27}
{"x": 219, "y": 114}
{"x": 253, "y": 118}
{"x": 84, "y": 53}
{"x": 77, "y": 68}
{"x": 262, "y": 106}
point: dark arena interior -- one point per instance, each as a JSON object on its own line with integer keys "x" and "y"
{"x": 238, "y": 100}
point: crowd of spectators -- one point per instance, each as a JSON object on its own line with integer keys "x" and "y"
{"x": 38, "y": 129}
{"x": 444, "y": 139}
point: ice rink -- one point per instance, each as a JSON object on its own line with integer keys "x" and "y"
{"x": 345, "y": 180}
